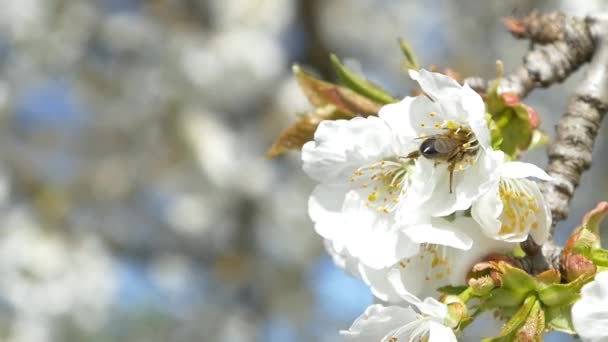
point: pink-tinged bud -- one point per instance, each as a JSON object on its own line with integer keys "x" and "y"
{"x": 510, "y": 99}
{"x": 534, "y": 117}
{"x": 584, "y": 245}
{"x": 490, "y": 267}
{"x": 517, "y": 27}
{"x": 577, "y": 265}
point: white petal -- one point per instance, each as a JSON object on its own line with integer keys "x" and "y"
{"x": 440, "y": 333}
{"x": 462, "y": 261}
{"x": 373, "y": 238}
{"x": 432, "y": 307}
{"x": 478, "y": 179}
{"x": 434, "y": 267}
{"x": 396, "y": 115}
{"x": 440, "y": 232}
{"x": 413, "y": 207}
{"x": 377, "y": 280}
{"x": 416, "y": 277}
{"x": 340, "y": 146}
{"x": 476, "y": 115}
{"x": 590, "y": 312}
{"x": 540, "y": 233}
{"x": 378, "y": 322}
{"x": 487, "y": 209}
{"x": 325, "y": 210}
{"x": 436, "y": 85}
{"x": 467, "y": 185}
{"x": 523, "y": 170}
{"x": 425, "y": 115}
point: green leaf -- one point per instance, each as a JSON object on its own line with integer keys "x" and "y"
{"x": 516, "y": 321}
{"x": 559, "y": 318}
{"x": 515, "y": 286}
{"x": 452, "y": 290}
{"x": 533, "y": 327}
{"x": 495, "y": 134}
{"x": 516, "y": 134}
{"x": 557, "y": 294}
{"x": 516, "y": 279}
{"x": 513, "y": 130}
{"x": 321, "y": 94}
{"x": 600, "y": 257}
{"x": 563, "y": 294}
{"x": 501, "y": 298}
{"x": 360, "y": 84}
{"x": 410, "y": 57}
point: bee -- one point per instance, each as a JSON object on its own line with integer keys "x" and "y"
{"x": 451, "y": 148}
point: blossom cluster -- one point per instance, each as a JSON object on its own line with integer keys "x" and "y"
{"x": 409, "y": 200}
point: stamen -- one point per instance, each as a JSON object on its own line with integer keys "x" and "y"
{"x": 387, "y": 180}
{"x": 520, "y": 206}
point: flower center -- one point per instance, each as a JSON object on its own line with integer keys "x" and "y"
{"x": 385, "y": 182}
{"x": 436, "y": 259}
{"x": 520, "y": 206}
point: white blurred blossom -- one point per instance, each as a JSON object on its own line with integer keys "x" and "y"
{"x": 46, "y": 275}
{"x": 270, "y": 16}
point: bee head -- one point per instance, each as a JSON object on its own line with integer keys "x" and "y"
{"x": 428, "y": 149}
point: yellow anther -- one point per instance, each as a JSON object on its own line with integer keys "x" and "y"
{"x": 372, "y": 197}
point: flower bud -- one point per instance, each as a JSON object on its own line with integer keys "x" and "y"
{"x": 457, "y": 310}
{"x": 483, "y": 285}
{"x": 582, "y": 252}
{"x": 577, "y": 265}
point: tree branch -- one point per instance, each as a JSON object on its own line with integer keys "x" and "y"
{"x": 545, "y": 63}
{"x": 560, "y": 45}
{"x": 570, "y": 153}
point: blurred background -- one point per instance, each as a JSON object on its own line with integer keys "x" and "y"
{"x": 135, "y": 200}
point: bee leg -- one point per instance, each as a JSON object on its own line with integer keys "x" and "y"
{"x": 451, "y": 171}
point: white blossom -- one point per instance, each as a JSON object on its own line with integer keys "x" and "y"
{"x": 365, "y": 186}
{"x": 439, "y": 265}
{"x": 590, "y": 312}
{"x": 396, "y": 323}
{"x": 514, "y": 206}
{"x": 454, "y": 142}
